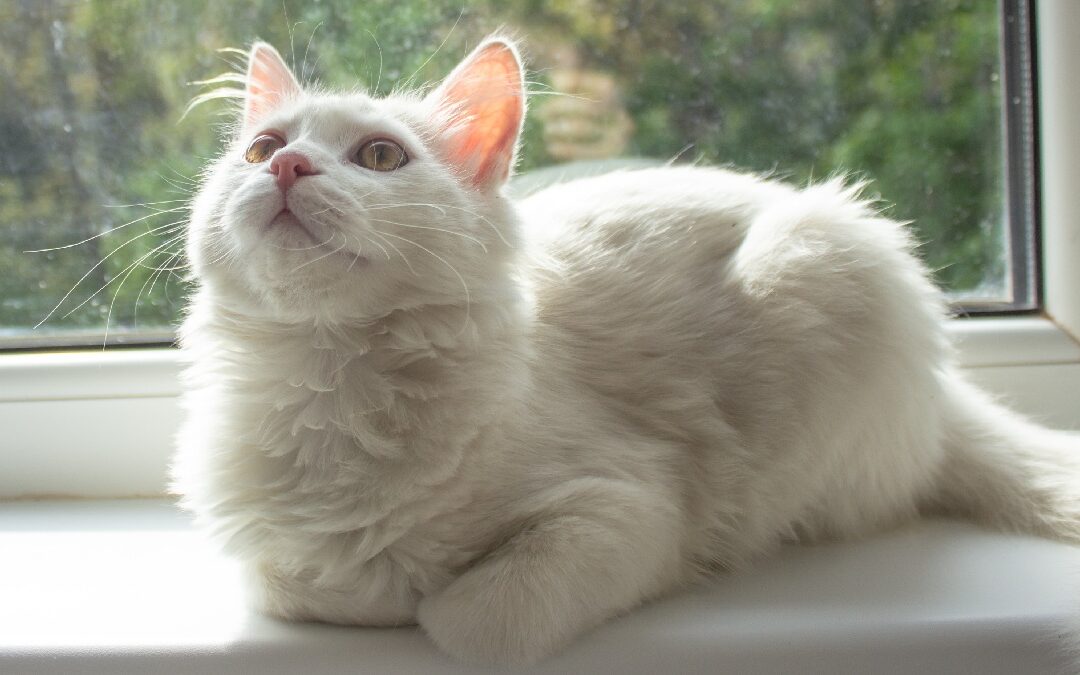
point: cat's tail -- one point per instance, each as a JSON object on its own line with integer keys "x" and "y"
{"x": 1006, "y": 471}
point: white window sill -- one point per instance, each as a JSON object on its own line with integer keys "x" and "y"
{"x": 129, "y": 586}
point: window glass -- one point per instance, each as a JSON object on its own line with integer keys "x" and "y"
{"x": 96, "y": 166}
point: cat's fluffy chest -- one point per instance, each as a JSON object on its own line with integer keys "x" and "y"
{"x": 341, "y": 457}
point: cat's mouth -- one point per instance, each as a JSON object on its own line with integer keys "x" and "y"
{"x": 288, "y": 220}
{"x": 335, "y": 245}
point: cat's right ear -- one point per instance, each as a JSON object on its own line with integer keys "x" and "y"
{"x": 269, "y": 83}
{"x": 480, "y": 108}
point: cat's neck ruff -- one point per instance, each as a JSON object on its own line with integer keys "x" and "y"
{"x": 371, "y": 384}
{"x": 379, "y": 419}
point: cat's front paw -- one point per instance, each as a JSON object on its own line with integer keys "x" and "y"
{"x": 486, "y": 623}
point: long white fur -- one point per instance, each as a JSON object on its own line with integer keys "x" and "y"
{"x": 512, "y": 421}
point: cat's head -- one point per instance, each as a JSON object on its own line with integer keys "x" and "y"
{"x": 343, "y": 206}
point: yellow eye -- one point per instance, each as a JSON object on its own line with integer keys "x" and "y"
{"x": 381, "y": 155}
{"x": 263, "y": 147}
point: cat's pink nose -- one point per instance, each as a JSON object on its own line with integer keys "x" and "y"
{"x": 288, "y": 166}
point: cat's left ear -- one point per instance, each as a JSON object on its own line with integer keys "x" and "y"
{"x": 269, "y": 83}
{"x": 480, "y": 108}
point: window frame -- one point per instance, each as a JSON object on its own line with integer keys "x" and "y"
{"x": 101, "y": 423}
{"x": 1021, "y": 171}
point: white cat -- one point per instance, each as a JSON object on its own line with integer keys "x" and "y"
{"x": 411, "y": 399}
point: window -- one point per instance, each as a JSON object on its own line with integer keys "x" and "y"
{"x": 96, "y": 167}
{"x": 117, "y": 408}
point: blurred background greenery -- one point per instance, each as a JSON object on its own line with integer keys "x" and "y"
{"x": 906, "y": 93}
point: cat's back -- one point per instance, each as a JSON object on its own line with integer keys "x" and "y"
{"x": 754, "y": 296}
{"x": 663, "y": 211}
{"x": 688, "y": 250}
{"x": 620, "y": 256}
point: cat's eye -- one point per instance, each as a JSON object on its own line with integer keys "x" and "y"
{"x": 381, "y": 155}
{"x": 263, "y": 147}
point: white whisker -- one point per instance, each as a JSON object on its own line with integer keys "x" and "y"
{"x": 109, "y": 231}
{"x": 126, "y": 273}
{"x": 468, "y": 298}
{"x": 396, "y": 249}
{"x": 409, "y": 80}
{"x": 303, "y": 67}
{"x": 372, "y": 241}
{"x": 128, "y": 269}
{"x": 322, "y": 257}
{"x": 379, "y": 47}
{"x": 441, "y": 208}
{"x": 102, "y": 262}
{"x": 436, "y": 229}
{"x": 166, "y": 268}
{"x": 145, "y": 204}
{"x": 359, "y": 250}
{"x": 381, "y": 207}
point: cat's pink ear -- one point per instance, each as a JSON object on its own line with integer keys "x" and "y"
{"x": 480, "y": 108}
{"x": 269, "y": 83}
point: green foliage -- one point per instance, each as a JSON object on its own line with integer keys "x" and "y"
{"x": 904, "y": 92}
